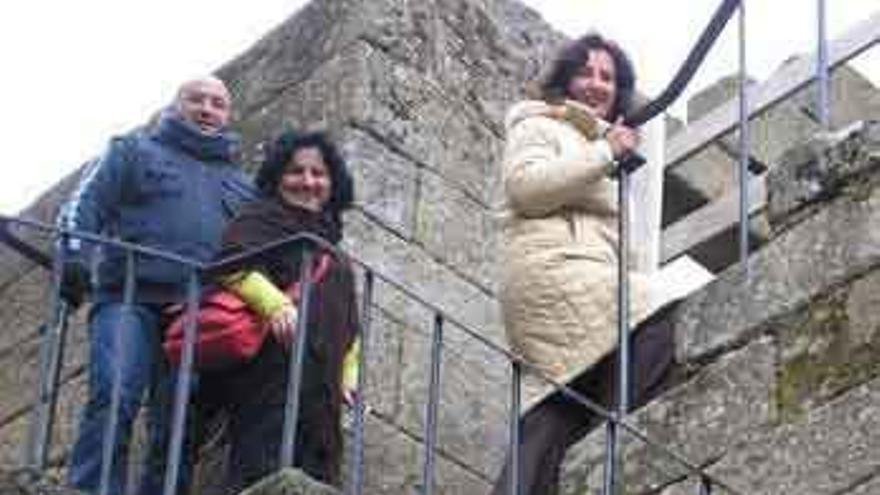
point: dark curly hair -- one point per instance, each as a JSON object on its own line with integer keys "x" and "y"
{"x": 571, "y": 59}
{"x": 282, "y": 150}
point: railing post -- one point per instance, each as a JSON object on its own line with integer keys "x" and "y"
{"x": 515, "y": 406}
{"x": 183, "y": 385}
{"x": 357, "y": 475}
{"x": 823, "y": 76}
{"x": 705, "y": 486}
{"x": 432, "y": 407}
{"x": 294, "y": 376}
{"x": 623, "y": 334}
{"x": 53, "y": 338}
{"x": 744, "y": 146}
{"x": 112, "y": 429}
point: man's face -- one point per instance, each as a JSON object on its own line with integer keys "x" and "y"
{"x": 205, "y": 103}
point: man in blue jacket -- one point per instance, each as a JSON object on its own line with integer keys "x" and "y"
{"x": 171, "y": 187}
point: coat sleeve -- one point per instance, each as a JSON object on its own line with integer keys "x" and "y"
{"x": 97, "y": 195}
{"x": 541, "y": 175}
{"x": 259, "y": 293}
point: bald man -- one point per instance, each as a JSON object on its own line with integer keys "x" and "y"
{"x": 171, "y": 187}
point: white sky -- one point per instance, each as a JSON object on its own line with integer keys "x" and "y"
{"x": 77, "y": 72}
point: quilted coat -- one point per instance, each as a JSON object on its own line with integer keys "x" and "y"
{"x": 560, "y": 246}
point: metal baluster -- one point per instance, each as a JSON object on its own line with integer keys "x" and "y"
{"x": 109, "y": 447}
{"x": 623, "y": 338}
{"x": 183, "y": 385}
{"x": 431, "y": 413}
{"x": 744, "y": 146}
{"x": 51, "y": 355}
{"x": 705, "y": 486}
{"x": 823, "y": 76}
{"x": 357, "y": 476}
{"x": 294, "y": 377}
{"x": 515, "y": 406}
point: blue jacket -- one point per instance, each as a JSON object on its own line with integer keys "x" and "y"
{"x": 172, "y": 188}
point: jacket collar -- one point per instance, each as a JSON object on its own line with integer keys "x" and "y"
{"x": 174, "y": 131}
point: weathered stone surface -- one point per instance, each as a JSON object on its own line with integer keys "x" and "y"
{"x": 473, "y": 405}
{"x": 412, "y": 116}
{"x": 851, "y": 95}
{"x": 386, "y": 182}
{"x": 458, "y": 230}
{"x": 830, "y": 247}
{"x": 700, "y": 420}
{"x": 828, "y": 348}
{"x": 290, "y": 482}
{"x": 385, "y": 360}
{"x": 396, "y": 460}
{"x": 14, "y": 433}
{"x": 868, "y": 488}
{"x": 420, "y": 274}
{"x": 23, "y": 483}
{"x": 824, "y": 454}
{"x": 824, "y": 167}
{"x": 21, "y": 371}
{"x": 25, "y": 307}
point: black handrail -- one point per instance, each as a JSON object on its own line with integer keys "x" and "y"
{"x": 688, "y": 67}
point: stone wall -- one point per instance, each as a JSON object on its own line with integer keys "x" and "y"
{"x": 779, "y": 388}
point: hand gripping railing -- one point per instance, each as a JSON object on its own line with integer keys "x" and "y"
{"x": 200, "y": 271}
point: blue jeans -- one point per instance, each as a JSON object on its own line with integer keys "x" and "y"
{"x": 128, "y": 337}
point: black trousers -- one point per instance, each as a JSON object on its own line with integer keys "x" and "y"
{"x": 549, "y": 428}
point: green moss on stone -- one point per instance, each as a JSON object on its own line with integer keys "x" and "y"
{"x": 826, "y": 361}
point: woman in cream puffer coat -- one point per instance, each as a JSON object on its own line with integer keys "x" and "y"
{"x": 560, "y": 253}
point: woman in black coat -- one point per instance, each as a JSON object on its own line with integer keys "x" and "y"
{"x": 305, "y": 185}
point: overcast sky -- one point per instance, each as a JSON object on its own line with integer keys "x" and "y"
{"x": 77, "y": 72}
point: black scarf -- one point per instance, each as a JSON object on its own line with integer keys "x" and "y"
{"x": 269, "y": 220}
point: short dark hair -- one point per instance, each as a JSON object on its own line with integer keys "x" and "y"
{"x": 282, "y": 150}
{"x": 572, "y": 57}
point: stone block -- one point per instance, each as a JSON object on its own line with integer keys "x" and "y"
{"x": 835, "y": 244}
{"x": 826, "y": 166}
{"x": 20, "y": 372}
{"x": 830, "y": 451}
{"x": 412, "y": 269}
{"x": 292, "y": 52}
{"x": 699, "y": 420}
{"x": 472, "y": 422}
{"x": 14, "y": 431}
{"x": 290, "y": 481}
{"x": 458, "y": 231}
{"x": 385, "y": 182}
{"x": 384, "y": 365}
{"x": 395, "y": 461}
{"x": 828, "y": 348}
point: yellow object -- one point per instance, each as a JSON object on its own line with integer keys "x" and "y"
{"x": 259, "y": 293}
{"x": 350, "y": 365}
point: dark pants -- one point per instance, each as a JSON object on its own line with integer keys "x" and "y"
{"x": 253, "y": 398}
{"x": 557, "y": 422}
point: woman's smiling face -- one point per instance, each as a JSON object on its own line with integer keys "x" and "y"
{"x": 595, "y": 83}
{"x": 306, "y": 180}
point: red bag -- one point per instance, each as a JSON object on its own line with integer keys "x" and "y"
{"x": 228, "y": 331}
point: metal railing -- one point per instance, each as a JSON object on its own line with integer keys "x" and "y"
{"x": 35, "y": 458}
{"x": 752, "y": 101}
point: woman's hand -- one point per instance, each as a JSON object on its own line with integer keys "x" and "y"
{"x": 283, "y": 325}
{"x": 349, "y": 396}
{"x": 621, "y": 138}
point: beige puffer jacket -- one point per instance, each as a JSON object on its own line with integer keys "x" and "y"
{"x": 559, "y": 249}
